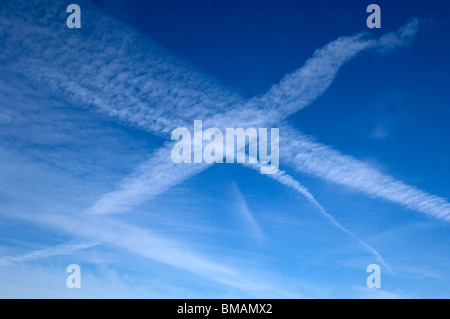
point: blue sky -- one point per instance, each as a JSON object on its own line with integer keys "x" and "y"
{"x": 87, "y": 179}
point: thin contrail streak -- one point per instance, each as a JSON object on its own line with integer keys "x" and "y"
{"x": 287, "y": 180}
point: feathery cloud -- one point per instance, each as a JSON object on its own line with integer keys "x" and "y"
{"x": 63, "y": 249}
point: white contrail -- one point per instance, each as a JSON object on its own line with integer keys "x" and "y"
{"x": 307, "y": 156}
{"x": 243, "y": 209}
{"x": 287, "y": 180}
{"x": 134, "y": 80}
{"x": 111, "y": 68}
{"x": 64, "y": 249}
{"x": 153, "y": 177}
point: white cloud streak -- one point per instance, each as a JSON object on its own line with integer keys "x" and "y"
{"x": 110, "y": 68}
{"x": 245, "y": 213}
{"x": 153, "y": 177}
{"x": 153, "y": 246}
{"x": 308, "y": 156}
{"x": 64, "y": 249}
{"x": 287, "y": 180}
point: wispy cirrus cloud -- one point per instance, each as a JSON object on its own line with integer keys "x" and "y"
{"x": 244, "y": 212}
{"x": 151, "y": 245}
{"x": 115, "y": 71}
{"x": 63, "y": 249}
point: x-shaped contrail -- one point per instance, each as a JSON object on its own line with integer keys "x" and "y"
{"x": 295, "y": 91}
{"x": 138, "y": 83}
